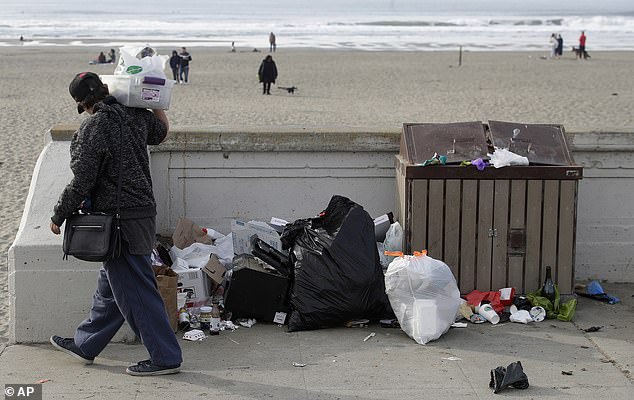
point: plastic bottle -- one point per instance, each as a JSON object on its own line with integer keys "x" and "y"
{"x": 214, "y": 324}
{"x": 548, "y": 289}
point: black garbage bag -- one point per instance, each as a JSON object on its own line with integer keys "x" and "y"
{"x": 337, "y": 271}
{"x": 513, "y": 375}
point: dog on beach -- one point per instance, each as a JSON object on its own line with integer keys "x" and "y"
{"x": 578, "y": 53}
{"x": 290, "y": 90}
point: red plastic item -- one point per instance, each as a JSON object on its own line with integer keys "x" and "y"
{"x": 475, "y": 298}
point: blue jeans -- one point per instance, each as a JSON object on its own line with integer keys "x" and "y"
{"x": 127, "y": 291}
{"x": 184, "y": 71}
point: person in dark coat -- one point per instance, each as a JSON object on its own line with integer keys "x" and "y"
{"x": 175, "y": 64}
{"x": 267, "y": 74}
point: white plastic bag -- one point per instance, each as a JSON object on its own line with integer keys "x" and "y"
{"x": 424, "y": 296}
{"x": 140, "y": 61}
{"x": 504, "y": 157}
{"x": 393, "y": 240}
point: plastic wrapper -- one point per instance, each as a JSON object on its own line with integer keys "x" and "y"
{"x": 140, "y": 61}
{"x": 393, "y": 240}
{"x": 504, "y": 158}
{"x": 336, "y": 267}
{"x": 424, "y": 296}
{"x": 513, "y": 375}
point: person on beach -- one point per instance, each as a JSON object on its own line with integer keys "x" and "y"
{"x": 560, "y": 45}
{"x": 267, "y": 74}
{"x": 101, "y": 58}
{"x": 553, "y": 45}
{"x": 175, "y": 64}
{"x": 184, "y": 68}
{"x": 272, "y": 45}
{"x": 126, "y": 286}
{"x": 112, "y": 56}
{"x": 582, "y": 46}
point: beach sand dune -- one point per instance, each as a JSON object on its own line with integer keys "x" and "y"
{"x": 335, "y": 89}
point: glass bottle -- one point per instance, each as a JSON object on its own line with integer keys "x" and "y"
{"x": 214, "y": 324}
{"x": 548, "y": 289}
{"x": 183, "y": 319}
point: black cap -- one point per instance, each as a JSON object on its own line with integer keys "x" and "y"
{"x": 84, "y": 84}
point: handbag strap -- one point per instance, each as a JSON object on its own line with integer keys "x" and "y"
{"x": 119, "y": 179}
{"x": 116, "y": 251}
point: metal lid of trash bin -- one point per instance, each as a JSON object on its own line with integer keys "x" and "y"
{"x": 458, "y": 141}
{"x": 541, "y": 143}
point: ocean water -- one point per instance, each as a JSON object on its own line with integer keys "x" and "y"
{"x": 409, "y": 25}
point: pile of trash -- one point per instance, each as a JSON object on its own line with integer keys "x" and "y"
{"x": 312, "y": 273}
{"x": 340, "y": 268}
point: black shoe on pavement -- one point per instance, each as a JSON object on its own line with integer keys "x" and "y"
{"x": 147, "y": 368}
{"x": 68, "y": 346}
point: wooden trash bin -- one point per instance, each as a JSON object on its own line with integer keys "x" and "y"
{"x": 495, "y": 228}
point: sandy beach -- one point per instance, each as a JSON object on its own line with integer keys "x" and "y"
{"x": 335, "y": 89}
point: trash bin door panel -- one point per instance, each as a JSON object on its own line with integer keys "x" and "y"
{"x": 485, "y": 234}
{"x": 451, "y": 248}
{"x": 517, "y": 235}
{"x": 534, "y": 199}
{"x": 549, "y": 228}
{"x": 416, "y": 231}
{"x": 567, "y": 228}
{"x": 435, "y": 227}
{"x": 468, "y": 235}
{"x": 458, "y": 141}
{"x": 500, "y": 227}
{"x": 540, "y": 143}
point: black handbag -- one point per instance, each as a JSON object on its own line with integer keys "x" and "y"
{"x": 95, "y": 237}
{"x": 92, "y": 237}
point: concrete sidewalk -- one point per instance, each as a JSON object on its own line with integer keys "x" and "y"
{"x": 257, "y": 363}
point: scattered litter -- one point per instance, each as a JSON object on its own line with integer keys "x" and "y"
{"x": 389, "y": 323}
{"x": 513, "y": 375}
{"x": 233, "y": 341}
{"x": 585, "y": 347}
{"x": 477, "y": 319}
{"x": 452, "y": 358}
{"x": 300, "y": 365}
{"x": 594, "y": 291}
{"x": 194, "y": 335}
{"x": 357, "y": 323}
{"x": 593, "y": 329}
{"x": 538, "y": 313}
{"x": 224, "y": 325}
{"x": 521, "y": 316}
{"x": 459, "y": 325}
{"x": 503, "y": 157}
{"x": 247, "y": 323}
{"x": 240, "y": 367}
{"x": 43, "y": 381}
{"x": 566, "y": 372}
{"x": 371, "y": 335}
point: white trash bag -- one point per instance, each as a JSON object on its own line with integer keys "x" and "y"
{"x": 393, "y": 240}
{"x": 140, "y": 61}
{"x": 424, "y": 296}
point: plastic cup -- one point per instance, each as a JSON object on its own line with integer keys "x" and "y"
{"x": 487, "y": 311}
{"x": 181, "y": 299}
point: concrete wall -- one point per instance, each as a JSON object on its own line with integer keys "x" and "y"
{"x": 212, "y": 177}
{"x": 605, "y": 215}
